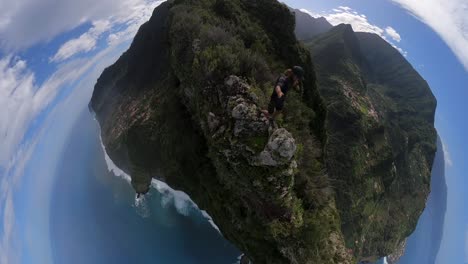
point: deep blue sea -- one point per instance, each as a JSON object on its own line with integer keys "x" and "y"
{"x": 95, "y": 217}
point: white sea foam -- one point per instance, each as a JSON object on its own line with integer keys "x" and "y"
{"x": 111, "y": 165}
{"x": 141, "y": 205}
{"x": 385, "y": 260}
{"x": 180, "y": 200}
{"x": 210, "y": 220}
{"x": 239, "y": 258}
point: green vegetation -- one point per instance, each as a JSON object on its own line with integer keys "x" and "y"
{"x": 159, "y": 127}
{"x": 372, "y": 97}
{"x": 183, "y": 104}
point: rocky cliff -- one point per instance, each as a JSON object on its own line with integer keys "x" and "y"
{"x": 424, "y": 244}
{"x": 183, "y": 104}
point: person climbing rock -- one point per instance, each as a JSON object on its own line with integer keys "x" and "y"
{"x": 292, "y": 78}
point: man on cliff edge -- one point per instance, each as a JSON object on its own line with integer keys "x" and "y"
{"x": 292, "y": 78}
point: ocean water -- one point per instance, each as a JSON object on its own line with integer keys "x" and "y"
{"x": 96, "y": 218}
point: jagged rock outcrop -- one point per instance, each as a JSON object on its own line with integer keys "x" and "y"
{"x": 183, "y": 104}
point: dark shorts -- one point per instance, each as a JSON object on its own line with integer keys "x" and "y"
{"x": 276, "y": 104}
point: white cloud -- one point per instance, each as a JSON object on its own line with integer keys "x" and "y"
{"x": 357, "y": 21}
{"x": 6, "y": 244}
{"x": 360, "y": 23}
{"x": 16, "y": 98}
{"x": 393, "y": 34}
{"x": 404, "y": 52}
{"x": 310, "y": 13}
{"x": 28, "y": 22}
{"x": 448, "y": 18}
{"x": 86, "y": 42}
{"x": 22, "y": 100}
{"x": 136, "y": 14}
{"x": 22, "y": 103}
{"x": 447, "y": 156}
{"x": 20, "y": 149}
{"x": 345, "y": 8}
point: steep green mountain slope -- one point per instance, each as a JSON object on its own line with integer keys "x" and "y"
{"x": 381, "y": 137}
{"x": 173, "y": 107}
{"x": 307, "y": 27}
{"x": 183, "y": 105}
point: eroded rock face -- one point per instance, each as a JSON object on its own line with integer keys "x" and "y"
{"x": 243, "y": 116}
{"x": 244, "y": 108}
{"x": 280, "y": 149}
{"x": 282, "y": 144}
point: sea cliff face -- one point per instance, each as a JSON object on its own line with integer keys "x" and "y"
{"x": 424, "y": 243}
{"x": 183, "y": 104}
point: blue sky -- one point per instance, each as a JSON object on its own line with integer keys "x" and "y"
{"x": 52, "y": 52}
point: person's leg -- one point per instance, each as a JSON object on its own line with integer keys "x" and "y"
{"x": 271, "y": 109}
{"x": 279, "y": 104}
{"x": 275, "y": 114}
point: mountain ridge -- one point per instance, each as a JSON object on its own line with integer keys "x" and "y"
{"x": 399, "y": 107}
{"x": 183, "y": 104}
{"x": 307, "y": 27}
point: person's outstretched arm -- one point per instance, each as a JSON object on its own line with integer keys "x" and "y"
{"x": 278, "y": 91}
